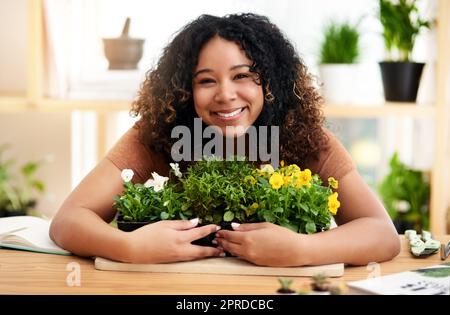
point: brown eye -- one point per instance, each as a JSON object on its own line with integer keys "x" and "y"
{"x": 205, "y": 81}
{"x": 242, "y": 76}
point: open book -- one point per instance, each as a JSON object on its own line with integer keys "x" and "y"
{"x": 432, "y": 280}
{"x": 28, "y": 233}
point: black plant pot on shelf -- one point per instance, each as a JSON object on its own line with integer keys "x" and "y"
{"x": 401, "y": 80}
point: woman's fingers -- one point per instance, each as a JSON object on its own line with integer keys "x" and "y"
{"x": 180, "y": 224}
{"x": 249, "y": 226}
{"x": 233, "y": 248}
{"x": 197, "y": 233}
{"x": 197, "y": 252}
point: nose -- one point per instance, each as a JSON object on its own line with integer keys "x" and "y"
{"x": 226, "y": 92}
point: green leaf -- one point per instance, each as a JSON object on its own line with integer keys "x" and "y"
{"x": 228, "y": 216}
{"x": 164, "y": 215}
{"x": 310, "y": 227}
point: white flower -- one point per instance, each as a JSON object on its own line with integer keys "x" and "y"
{"x": 157, "y": 182}
{"x": 127, "y": 175}
{"x": 176, "y": 169}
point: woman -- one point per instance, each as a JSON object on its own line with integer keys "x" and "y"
{"x": 234, "y": 71}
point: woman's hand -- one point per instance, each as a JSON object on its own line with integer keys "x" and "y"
{"x": 263, "y": 244}
{"x": 170, "y": 241}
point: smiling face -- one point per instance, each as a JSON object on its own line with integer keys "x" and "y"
{"x": 225, "y": 92}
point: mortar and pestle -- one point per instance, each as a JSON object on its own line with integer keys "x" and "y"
{"x": 124, "y": 52}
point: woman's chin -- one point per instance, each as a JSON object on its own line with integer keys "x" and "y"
{"x": 233, "y": 131}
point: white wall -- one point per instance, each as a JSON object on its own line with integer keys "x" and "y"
{"x": 13, "y": 26}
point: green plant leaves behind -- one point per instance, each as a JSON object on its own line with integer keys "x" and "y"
{"x": 401, "y": 24}
{"x": 340, "y": 44}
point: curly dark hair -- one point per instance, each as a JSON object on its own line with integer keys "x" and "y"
{"x": 291, "y": 101}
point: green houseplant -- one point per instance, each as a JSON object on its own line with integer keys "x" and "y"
{"x": 406, "y": 193}
{"x": 18, "y": 192}
{"x": 222, "y": 192}
{"x": 339, "y": 53}
{"x": 401, "y": 24}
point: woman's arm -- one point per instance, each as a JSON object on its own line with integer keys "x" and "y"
{"x": 365, "y": 234}
{"x": 81, "y": 227}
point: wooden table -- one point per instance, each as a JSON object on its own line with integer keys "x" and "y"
{"x": 32, "y": 273}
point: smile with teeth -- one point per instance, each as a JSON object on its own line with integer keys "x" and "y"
{"x": 230, "y": 114}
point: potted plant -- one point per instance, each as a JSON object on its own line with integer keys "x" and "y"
{"x": 401, "y": 25}
{"x": 18, "y": 193}
{"x": 221, "y": 192}
{"x": 339, "y": 52}
{"x": 406, "y": 194}
{"x": 285, "y": 286}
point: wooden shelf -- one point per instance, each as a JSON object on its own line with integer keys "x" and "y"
{"x": 13, "y": 103}
{"x": 85, "y": 105}
{"x": 380, "y": 111}
{"x": 23, "y": 104}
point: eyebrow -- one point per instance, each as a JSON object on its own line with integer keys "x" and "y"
{"x": 210, "y": 70}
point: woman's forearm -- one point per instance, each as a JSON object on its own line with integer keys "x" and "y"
{"x": 358, "y": 242}
{"x": 84, "y": 233}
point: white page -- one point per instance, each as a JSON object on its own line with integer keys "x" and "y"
{"x": 18, "y": 222}
{"x": 35, "y": 236}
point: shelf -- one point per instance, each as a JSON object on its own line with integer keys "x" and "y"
{"x": 84, "y": 105}
{"x": 22, "y": 104}
{"x": 12, "y": 102}
{"x": 388, "y": 109}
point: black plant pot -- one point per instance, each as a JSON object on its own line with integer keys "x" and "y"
{"x": 402, "y": 225}
{"x": 128, "y": 226}
{"x": 207, "y": 240}
{"x": 401, "y": 80}
{"x": 8, "y": 213}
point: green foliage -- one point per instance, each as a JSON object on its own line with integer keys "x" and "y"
{"x": 143, "y": 204}
{"x": 285, "y": 283}
{"x": 18, "y": 192}
{"x": 215, "y": 192}
{"x": 340, "y": 43}
{"x": 406, "y": 193}
{"x": 401, "y": 25}
{"x": 218, "y": 191}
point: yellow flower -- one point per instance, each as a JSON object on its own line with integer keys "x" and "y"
{"x": 250, "y": 210}
{"x": 287, "y": 180}
{"x": 276, "y": 180}
{"x": 333, "y": 203}
{"x": 254, "y": 205}
{"x": 292, "y": 169}
{"x": 304, "y": 178}
{"x": 250, "y": 180}
{"x": 333, "y": 183}
{"x": 282, "y": 163}
{"x": 267, "y": 168}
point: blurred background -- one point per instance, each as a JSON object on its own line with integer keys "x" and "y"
{"x": 63, "y": 104}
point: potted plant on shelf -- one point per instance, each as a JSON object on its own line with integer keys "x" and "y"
{"x": 339, "y": 52}
{"x": 221, "y": 192}
{"x": 18, "y": 194}
{"x": 401, "y": 25}
{"x": 406, "y": 194}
